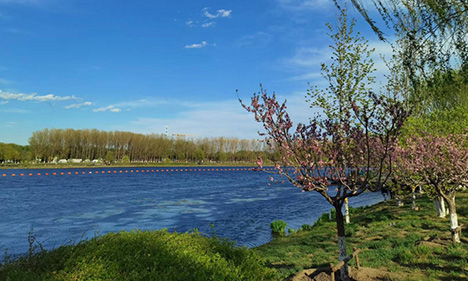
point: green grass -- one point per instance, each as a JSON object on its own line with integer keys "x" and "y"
{"x": 390, "y": 238}
{"x": 156, "y": 255}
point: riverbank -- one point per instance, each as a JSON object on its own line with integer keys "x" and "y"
{"x": 402, "y": 243}
{"x": 397, "y": 242}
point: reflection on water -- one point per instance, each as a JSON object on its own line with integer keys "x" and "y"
{"x": 63, "y": 209}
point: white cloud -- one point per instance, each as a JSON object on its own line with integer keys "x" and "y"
{"x": 34, "y": 97}
{"x": 222, "y": 13}
{"x": 208, "y": 24}
{"x": 309, "y": 57}
{"x": 214, "y": 119}
{"x": 306, "y": 77}
{"x": 78, "y": 105}
{"x": 110, "y": 108}
{"x": 190, "y": 23}
{"x": 306, "y": 61}
{"x": 144, "y": 103}
{"x": 3, "y": 102}
{"x": 304, "y": 5}
{"x": 199, "y": 45}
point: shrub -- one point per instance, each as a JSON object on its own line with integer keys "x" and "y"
{"x": 306, "y": 227}
{"x": 126, "y": 159}
{"x": 278, "y": 227}
{"x": 155, "y": 255}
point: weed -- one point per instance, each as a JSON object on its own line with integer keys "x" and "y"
{"x": 278, "y": 227}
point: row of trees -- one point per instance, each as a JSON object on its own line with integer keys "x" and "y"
{"x": 369, "y": 141}
{"x": 10, "y": 152}
{"x": 48, "y": 144}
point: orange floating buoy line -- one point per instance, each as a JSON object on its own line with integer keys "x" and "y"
{"x": 161, "y": 170}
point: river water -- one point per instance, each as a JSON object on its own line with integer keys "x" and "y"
{"x": 81, "y": 203}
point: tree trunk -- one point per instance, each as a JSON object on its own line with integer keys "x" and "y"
{"x": 341, "y": 242}
{"x": 440, "y": 207}
{"x": 346, "y": 211}
{"x": 399, "y": 203}
{"x": 413, "y": 198}
{"x": 453, "y": 219}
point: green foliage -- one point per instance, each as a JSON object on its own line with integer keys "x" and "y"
{"x": 156, "y": 255}
{"x": 222, "y": 156}
{"x": 199, "y": 155}
{"x": 326, "y": 217}
{"x": 291, "y": 230}
{"x": 278, "y": 227}
{"x": 306, "y": 227}
{"x": 14, "y": 152}
{"x": 126, "y": 159}
{"x": 441, "y": 122}
{"x": 110, "y": 156}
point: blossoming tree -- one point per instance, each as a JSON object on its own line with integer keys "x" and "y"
{"x": 442, "y": 165}
{"x": 349, "y": 147}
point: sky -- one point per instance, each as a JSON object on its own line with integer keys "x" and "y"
{"x": 139, "y": 66}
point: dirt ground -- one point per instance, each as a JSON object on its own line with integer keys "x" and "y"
{"x": 363, "y": 274}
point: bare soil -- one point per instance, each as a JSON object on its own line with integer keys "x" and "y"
{"x": 363, "y": 274}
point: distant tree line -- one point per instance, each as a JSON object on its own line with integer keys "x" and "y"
{"x": 10, "y": 152}
{"x": 47, "y": 144}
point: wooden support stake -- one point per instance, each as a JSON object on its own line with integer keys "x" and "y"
{"x": 332, "y": 275}
{"x": 357, "y": 258}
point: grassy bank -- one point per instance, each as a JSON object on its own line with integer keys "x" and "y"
{"x": 156, "y": 255}
{"x": 404, "y": 243}
{"x": 410, "y": 245}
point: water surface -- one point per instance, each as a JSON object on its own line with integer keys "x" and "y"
{"x": 63, "y": 209}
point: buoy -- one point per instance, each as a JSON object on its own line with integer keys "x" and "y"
{"x": 4, "y": 175}
{"x": 21, "y": 174}
{"x": 13, "y": 175}
{"x": 54, "y": 174}
{"x": 30, "y": 174}
{"x": 38, "y": 174}
{"x": 46, "y": 174}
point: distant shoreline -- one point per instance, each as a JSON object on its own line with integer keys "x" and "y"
{"x": 75, "y": 166}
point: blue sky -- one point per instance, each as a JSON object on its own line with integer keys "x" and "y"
{"x": 141, "y": 65}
